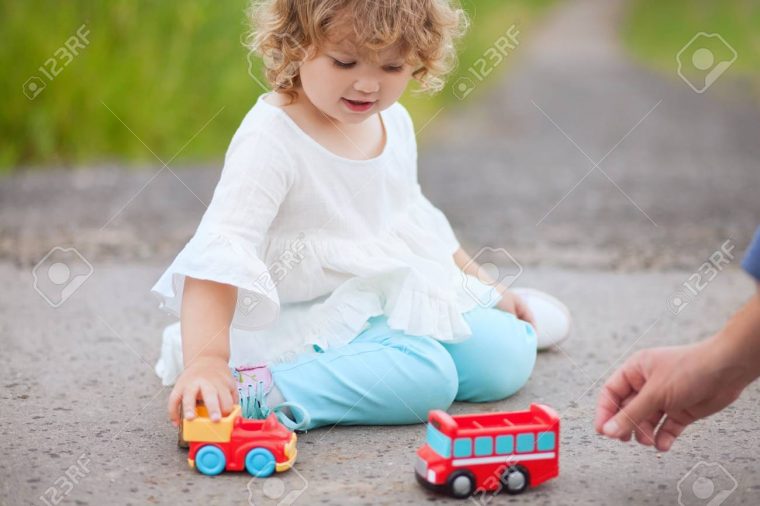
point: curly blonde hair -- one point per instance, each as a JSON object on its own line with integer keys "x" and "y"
{"x": 425, "y": 31}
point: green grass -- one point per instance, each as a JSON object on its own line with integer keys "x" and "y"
{"x": 165, "y": 69}
{"x": 655, "y": 31}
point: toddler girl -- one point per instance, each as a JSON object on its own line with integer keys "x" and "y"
{"x": 319, "y": 262}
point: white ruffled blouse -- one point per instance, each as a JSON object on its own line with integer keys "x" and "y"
{"x": 317, "y": 244}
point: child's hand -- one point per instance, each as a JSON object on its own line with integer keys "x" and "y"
{"x": 209, "y": 379}
{"x": 681, "y": 383}
{"x": 513, "y": 303}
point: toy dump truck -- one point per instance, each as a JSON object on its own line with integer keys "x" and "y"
{"x": 234, "y": 443}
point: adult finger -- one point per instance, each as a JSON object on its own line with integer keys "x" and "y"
{"x": 612, "y": 395}
{"x": 669, "y": 431}
{"x": 643, "y": 405}
{"x": 618, "y": 390}
{"x": 645, "y": 430}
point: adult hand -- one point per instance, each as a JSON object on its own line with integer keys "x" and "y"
{"x": 680, "y": 383}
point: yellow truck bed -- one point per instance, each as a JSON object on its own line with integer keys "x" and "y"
{"x": 201, "y": 428}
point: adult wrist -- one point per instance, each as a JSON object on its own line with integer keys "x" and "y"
{"x": 729, "y": 360}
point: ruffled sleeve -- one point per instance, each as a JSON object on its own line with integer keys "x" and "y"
{"x": 225, "y": 248}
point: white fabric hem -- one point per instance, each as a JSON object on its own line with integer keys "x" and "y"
{"x": 207, "y": 256}
{"x": 336, "y": 321}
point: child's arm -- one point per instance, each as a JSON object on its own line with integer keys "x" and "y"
{"x": 509, "y": 302}
{"x": 685, "y": 383}
{"x": 207, "y": 310}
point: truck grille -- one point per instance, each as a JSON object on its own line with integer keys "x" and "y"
{"x": 290, "y": 447}
{"x": 420, "y": 467}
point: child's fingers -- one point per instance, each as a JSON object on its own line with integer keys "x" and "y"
{"x": 211, "y": 400}
{"x": 525, "y": 315}
{"x": 235, "y": 394}
{"x": 172, "y": 405}
{"x": 225, "y": 401}
{"x": 523, "y": 311}
{"x": 232, "y": 387}
{"x": 189, "y": 396}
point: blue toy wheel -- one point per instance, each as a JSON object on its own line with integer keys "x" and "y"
{"x": 260, "y": 462}
{"x": 210, "y": 460}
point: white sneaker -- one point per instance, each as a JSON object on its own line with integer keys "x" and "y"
{"x": 553, "y": 320}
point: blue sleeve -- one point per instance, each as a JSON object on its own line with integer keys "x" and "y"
{"x": 751, "y": 262}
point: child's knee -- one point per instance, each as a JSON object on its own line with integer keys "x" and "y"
{"x": 499, "y": 381}
{"x": 497, "y": 360}
{"x": 446, "y": 388}
{"x": 433, "y": 382}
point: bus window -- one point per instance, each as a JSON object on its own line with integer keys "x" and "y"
{"x": 504, "y": 444}
{"x": 483, "y": 446}
{"x": 545, "y": 441}
{"x": 438, "y": 442}
{"x": 462, "y": 447}
{"x": 524, "y": 443}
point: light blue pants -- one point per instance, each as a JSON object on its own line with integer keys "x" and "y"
{"x": 386, "y": 377}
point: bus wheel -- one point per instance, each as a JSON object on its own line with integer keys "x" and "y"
{"x": 515, "y": 479}
{"x": 461, "y": 484}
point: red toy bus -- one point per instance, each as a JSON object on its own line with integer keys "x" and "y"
{"x": 489, "y": 452}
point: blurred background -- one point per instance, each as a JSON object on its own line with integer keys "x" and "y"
{"x": 605, "y": 151}
{"x": 163, "y": 67}
{"x": 119, "y": 89}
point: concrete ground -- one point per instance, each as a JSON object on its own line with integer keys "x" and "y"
{"x": 82, "y": 418}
